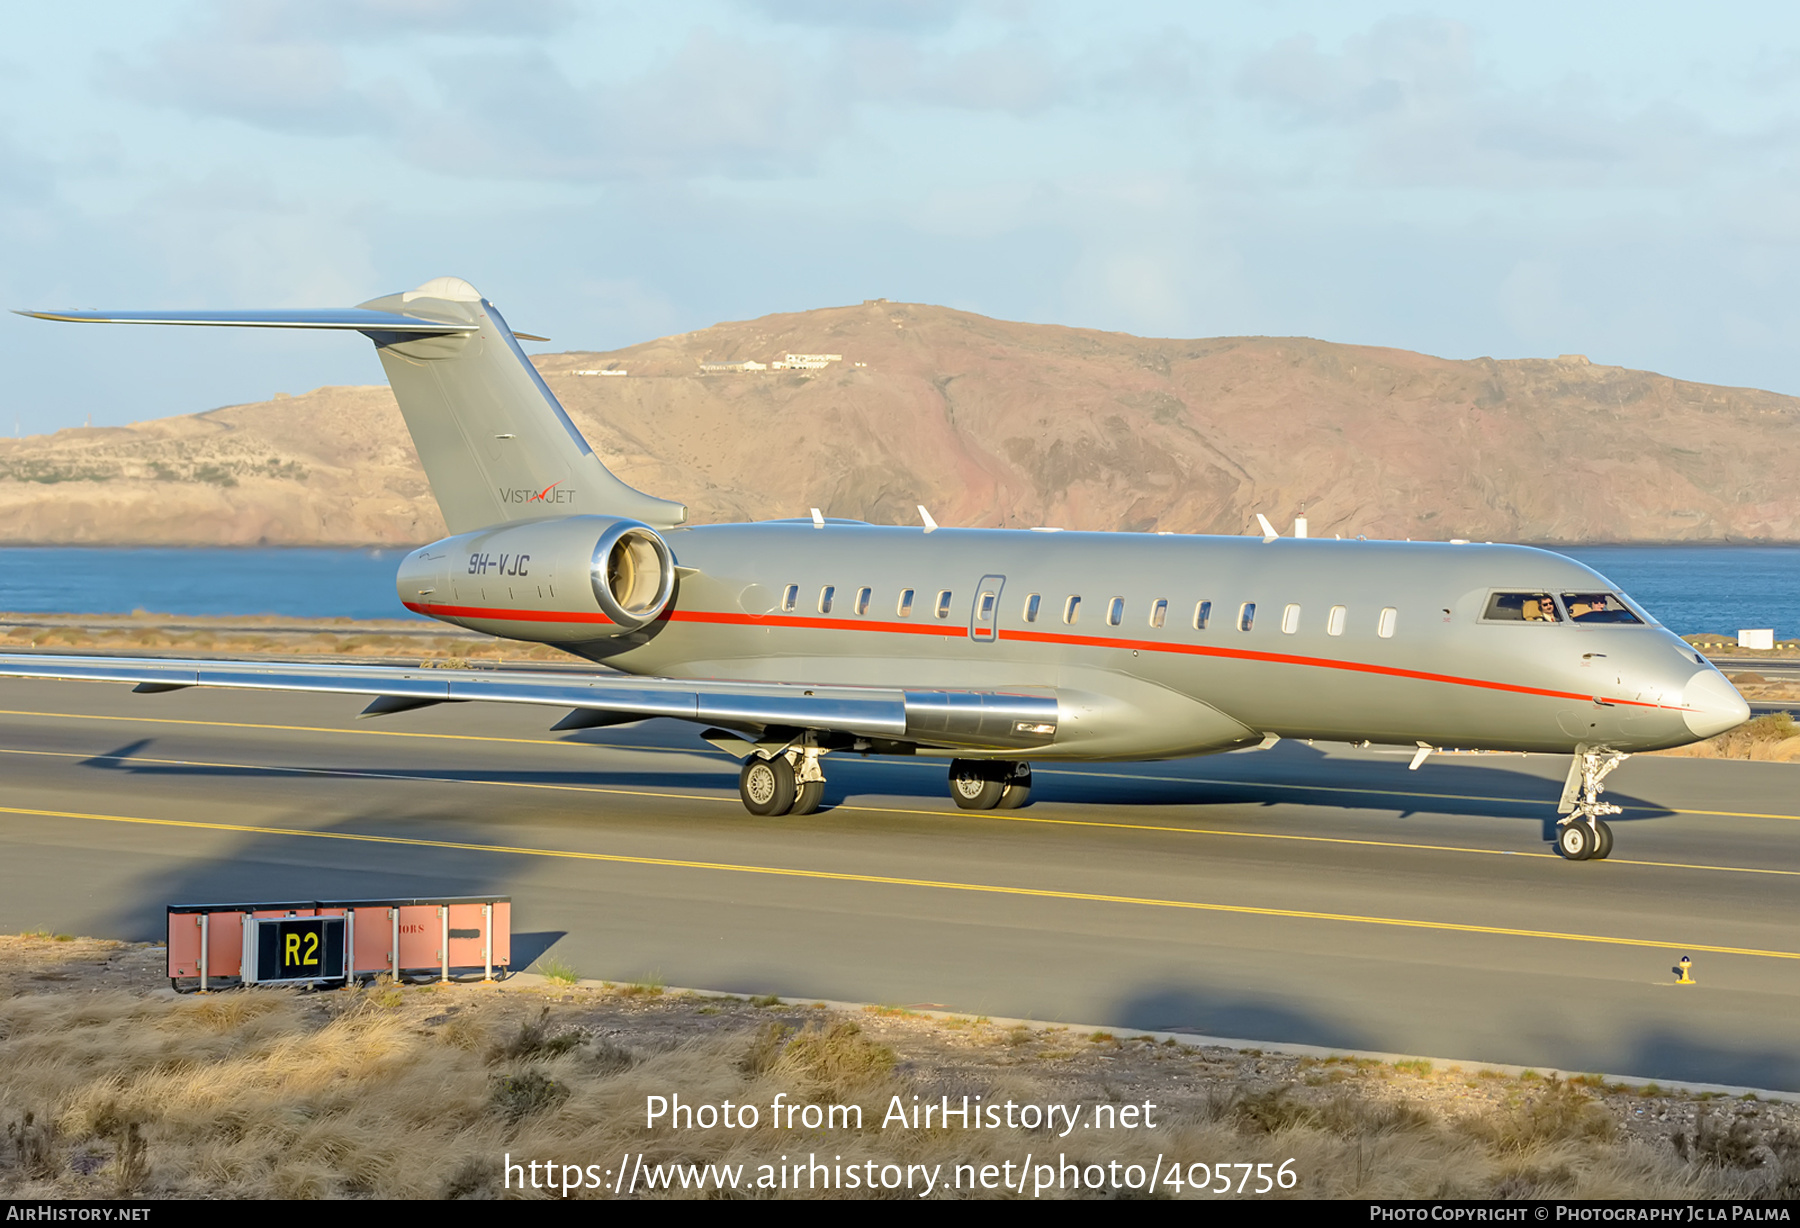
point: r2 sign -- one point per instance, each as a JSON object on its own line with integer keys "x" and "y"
{"x": 297, "y": 949}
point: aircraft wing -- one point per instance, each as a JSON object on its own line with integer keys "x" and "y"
{"x": 772, "y": 712}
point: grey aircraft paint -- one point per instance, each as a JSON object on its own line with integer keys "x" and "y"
{"x": 794, "y": 639}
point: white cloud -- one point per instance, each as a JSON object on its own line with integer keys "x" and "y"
{"x": 1412, "y": 103}
{"x": 918, "y": 15}
{"x": 714, "y": 102}
{"x": 1535, "y": 305}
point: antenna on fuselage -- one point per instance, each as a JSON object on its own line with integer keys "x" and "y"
{"x": 924, "y": 515}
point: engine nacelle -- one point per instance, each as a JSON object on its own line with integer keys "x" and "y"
{"x": 632, "y": 573}
{"x": 553, "y": 581}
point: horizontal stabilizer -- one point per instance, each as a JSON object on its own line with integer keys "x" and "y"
{"x": 352, "y": 319}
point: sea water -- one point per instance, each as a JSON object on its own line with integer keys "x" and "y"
{"x": 295, "y": 583}
{"x": 1688, "y": 588}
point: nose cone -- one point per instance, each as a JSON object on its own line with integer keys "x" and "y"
{"x": 1713, "y": 704}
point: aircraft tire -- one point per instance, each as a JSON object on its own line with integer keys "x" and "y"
{"x": 1018, "y": 789}
{"x": 1574, "y": 841}
{"x": 767, "y": 785}
{"x": 976, "y": 785}
{"x": 807, "y": 797}
{"x": 1603, "y": 849}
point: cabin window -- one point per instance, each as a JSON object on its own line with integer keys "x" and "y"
{"x": 1290, "y": 619}
{"x": 943, "y": 605}
{"x": 1334, "y": 621}
{"x": 1158, "y": 612}
{"x": 790, "y": 598}
{"x": 1597, "y": 608}
{"x": 904, "y": 609}
{"x": 1115, "y": 612}
{"x": 1385, "y": 628}
{"x": 1202, "y": 615}
{"x": 1031, "y": 607}
{"x": 825, "y": 598}
{"x": 1246, "y": 616}
{"x": 862, "y": 599}
{"x": 1521, "y": 608}
{"x": 988, "y": 601}
{"x": 1072, "y": 609}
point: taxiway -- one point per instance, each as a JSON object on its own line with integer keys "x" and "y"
{"x": 1307, "y": 894}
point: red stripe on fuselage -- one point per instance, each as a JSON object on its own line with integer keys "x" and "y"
{"x": 497, "y": 614}
{"x": 954, "y": 631}
{"x": 1094, "y": 641}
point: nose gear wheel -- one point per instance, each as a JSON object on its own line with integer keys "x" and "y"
{"x": 1575, "y": 841}
{"x": 1583, "y": 834}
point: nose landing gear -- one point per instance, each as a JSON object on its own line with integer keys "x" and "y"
{"x": 1582, "y": 833}
{"x": 1579, "y": 841}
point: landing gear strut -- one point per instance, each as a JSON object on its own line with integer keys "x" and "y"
{"x": 1582, "y": 834}
{"x": 988, "y": 784}
{"x": 787, "y": 782}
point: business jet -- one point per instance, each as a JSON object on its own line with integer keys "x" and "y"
{"x": 792, "y": 640}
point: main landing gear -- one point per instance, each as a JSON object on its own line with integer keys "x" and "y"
{"x": 989, "y": 784}
{"x": 790, "y": 782}
{"x": 1582, "y": 834}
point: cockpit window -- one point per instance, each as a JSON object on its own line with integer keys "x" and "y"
{"x": 1598, "y": 608}
{"x": 1521, "y": 608}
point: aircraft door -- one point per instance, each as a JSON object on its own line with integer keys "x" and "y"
{"x": 984, "y": 616}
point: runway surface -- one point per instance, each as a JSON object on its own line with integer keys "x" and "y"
{"x": 1319, "y": 895}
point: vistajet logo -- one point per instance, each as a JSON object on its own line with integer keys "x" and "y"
{"x": 556, "y": 492}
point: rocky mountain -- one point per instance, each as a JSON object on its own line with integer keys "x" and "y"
{"x": 988, "y": 422}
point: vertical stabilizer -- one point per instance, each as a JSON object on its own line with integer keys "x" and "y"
{"x": 496, "y": 444}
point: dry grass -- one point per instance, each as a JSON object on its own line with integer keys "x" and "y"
{"x": 1770, "y": 739}
{"x": 418, "y": 1092}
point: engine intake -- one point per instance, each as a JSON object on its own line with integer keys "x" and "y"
{"x": 633, "y": 574}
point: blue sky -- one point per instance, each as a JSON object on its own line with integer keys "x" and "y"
{"x": 1616, "y": 180}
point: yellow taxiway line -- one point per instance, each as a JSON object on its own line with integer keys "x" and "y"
{"x": 925, "y": 883}
{"x": 1048, "y": 770}
{"x": 992, "y": 816}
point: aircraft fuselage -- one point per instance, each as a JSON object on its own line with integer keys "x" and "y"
{"x": 1185, "y": 644}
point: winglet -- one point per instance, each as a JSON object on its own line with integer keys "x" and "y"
{"x": 924, "y": 515}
